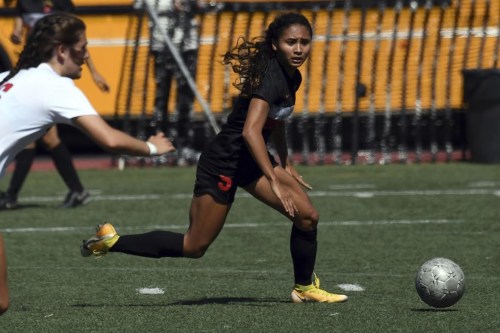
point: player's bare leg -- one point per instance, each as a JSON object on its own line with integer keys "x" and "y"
{"x": 51, "y": 138}
{"x": 207, "y": 218}
{"x": 307, "y": 217}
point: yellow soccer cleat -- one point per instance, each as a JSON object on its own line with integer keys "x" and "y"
{"x": 99, "y": 245}
{"x": 312, "y": 293}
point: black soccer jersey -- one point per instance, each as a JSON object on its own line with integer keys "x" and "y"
{"x": 227, "y": 153}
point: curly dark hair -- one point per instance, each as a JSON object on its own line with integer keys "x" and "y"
{"x": 48, "y": 32}
{"x": 249, "y": 58}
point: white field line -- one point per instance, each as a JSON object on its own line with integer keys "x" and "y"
{"x": 404, "y": 192}
{"x": 174, "y": 271}
{"x": 242, "y": 194}
{"x": 485, "y": 183}
{"x": 236, "y": 225}
{"x": 351, "y": 186}
{"x": 118, "y": 197}
{"x": 371, "y": 194}
{"x": 150, "y": 291}
{"x": 350, "y": 287}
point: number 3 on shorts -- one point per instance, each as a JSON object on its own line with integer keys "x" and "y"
{"x": 225, "y": 183}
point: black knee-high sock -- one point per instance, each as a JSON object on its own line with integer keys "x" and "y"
{"x": 303, "y": 247}
{"x": 24, "y": 160}
{"x": 154, "y": 244}
{"x": 64, "y": 165}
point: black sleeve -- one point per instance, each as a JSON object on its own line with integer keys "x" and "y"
{"x": 269, "y": 89}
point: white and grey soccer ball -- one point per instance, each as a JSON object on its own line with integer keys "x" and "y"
{"x": 440, "y": 282}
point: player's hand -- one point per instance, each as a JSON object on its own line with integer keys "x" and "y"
{"x": 15, "y": 38}
{"x": 163, "y": 144}
{"x": 100, "y": 82}
{"x": 284, "y": 197}
{"x": 291, "y": 170}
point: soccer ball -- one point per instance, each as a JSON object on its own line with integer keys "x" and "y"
{"x": 440, "y": 282}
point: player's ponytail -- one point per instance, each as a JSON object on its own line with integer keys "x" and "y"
{"x": 48, "y": 32}
{"x": 248, "y": 59}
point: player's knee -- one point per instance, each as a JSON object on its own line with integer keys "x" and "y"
{"x": 51, "y": 142}
{"x": 309, "y": 220}
{"x": 4, "y": 306}
{"x": 195, "y": 251}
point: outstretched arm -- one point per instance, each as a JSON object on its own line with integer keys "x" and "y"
{"x": 119, "y": 142}
{"x": 252, "y": 134}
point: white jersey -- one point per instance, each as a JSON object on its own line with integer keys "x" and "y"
{"x": 30, "y": 103}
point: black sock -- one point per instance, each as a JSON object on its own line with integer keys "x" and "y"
{"x": 24, "y": 160}
{"x": 154, "y": 244}
{"x": 303, "y": 247}
{"x": 64, "y": 165}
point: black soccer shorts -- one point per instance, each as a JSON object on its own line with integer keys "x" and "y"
{"x": 222, "y": 188}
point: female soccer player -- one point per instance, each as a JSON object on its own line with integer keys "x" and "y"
{"x": 27, "y": 13}
{"x": 40, "y": 92}
{"x": 238, "y": 156}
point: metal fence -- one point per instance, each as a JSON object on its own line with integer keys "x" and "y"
{"x": 383, "y": 83}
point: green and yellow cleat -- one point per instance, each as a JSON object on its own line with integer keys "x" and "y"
{"x": 99, "y": 245}
{"x": 312, "y": 293}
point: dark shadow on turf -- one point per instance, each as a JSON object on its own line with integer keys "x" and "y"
{"x": 203, "y": 301}
{"x": 434, "y": 310}
{"x": 25, "y": 206}
{"x": 229, "y": 301}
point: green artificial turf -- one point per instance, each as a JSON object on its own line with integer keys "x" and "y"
{"x": 378, "y": 225}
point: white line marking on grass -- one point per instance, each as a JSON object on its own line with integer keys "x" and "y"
{"x": 388, "y": 222}
{"x": 350, "y": 287}
{"x": 351, "y": 186}
{"x": 150, "y": 291}
{"x": 47, "y": 229}
{"x": 237, "y": 225}
{"x": 485, "y": 183}
{"x": 242, "y": 194}
{"x": 364, "y": 195}
{"x": 120, "y": 197}
{"x": 371, "y": 194}
{"x": 224, "y": 271}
